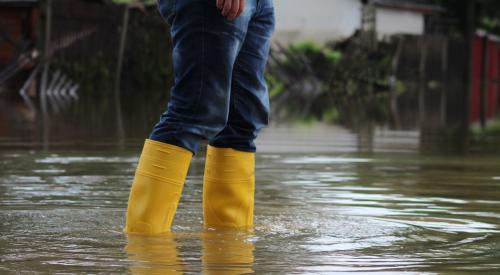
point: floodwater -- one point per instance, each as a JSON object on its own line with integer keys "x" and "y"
{"x": 331, "y": 209}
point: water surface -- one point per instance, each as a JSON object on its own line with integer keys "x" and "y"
{"x": 63, "y": 212}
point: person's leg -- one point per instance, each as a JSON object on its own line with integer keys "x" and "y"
{"x": 249, "y": 102}
{"x": 229, "y": 181}
{"x": 205, "y": 46}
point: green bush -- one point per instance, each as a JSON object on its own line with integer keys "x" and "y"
{"x": 339, "y": 82}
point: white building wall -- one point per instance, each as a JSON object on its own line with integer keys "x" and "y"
{"x": 318, "y": 20}
{"x": 327, "y": 20}
{"x": 390, "y": 22}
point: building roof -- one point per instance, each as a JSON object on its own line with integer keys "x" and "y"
{"x": 409, "y": 5}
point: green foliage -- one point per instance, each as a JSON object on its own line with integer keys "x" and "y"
{"x": 487, "y": 13}
{"x": 491, "y": 24}
{"x": 146, "y": 76}
{"x": 88, "y": 73}
{"x": 492, "y": 130}
{"x": 332, "y": 115}
{"x": 339, "y": 82}
{"x": 488, "y": 137}
{"x": 147, "y": 64}
{"x": 332, "y": 56}
{"x": 314, "y": 50}
{"x": 318, "y": 59}
{"x": 275, "y": 86}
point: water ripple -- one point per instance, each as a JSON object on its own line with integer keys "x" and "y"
{"x": 64, "y": 213}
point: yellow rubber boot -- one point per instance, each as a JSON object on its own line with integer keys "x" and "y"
{"x": 157, "y": 188}
{"x": 228, "y": 188}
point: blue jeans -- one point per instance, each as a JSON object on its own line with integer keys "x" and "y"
{"x": 219, "y": 92}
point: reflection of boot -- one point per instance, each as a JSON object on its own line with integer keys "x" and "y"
{"x": 157, "y": 188}
{"x": 153, "y": 254}
{"x": 228, "y": 188}
{"x": 227, "y": 252}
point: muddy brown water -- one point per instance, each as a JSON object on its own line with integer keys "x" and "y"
{"x": 322, "y": 206}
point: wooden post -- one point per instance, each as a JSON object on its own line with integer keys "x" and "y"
{"x": 470, "y": 30}
{"x": 45, "y": 75}
{"x": 368, "y": 25}
{"x": 422, "y": 80}
{"x": 444, "y": 79}
{"x": 484, "y": 81}
{"x": 121, "y": 52}
{"x": 394, "y": 97}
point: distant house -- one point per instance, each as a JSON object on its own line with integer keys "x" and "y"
{"x": 325, "y": 20}
{"x": 392, "y": 17}
{"x": 318, "y": 20}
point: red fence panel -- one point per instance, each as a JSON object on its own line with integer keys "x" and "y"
{"x": 493, "y": 105}
{"x": 492, "y": 77}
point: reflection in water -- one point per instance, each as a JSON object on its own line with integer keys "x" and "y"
{"x": 315, "y": 213}
{"x": 227, "y": 252}
{"x": 223, "y": 252}
{"x": 91, "y": 128}
{"x": 153, "y": 254}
